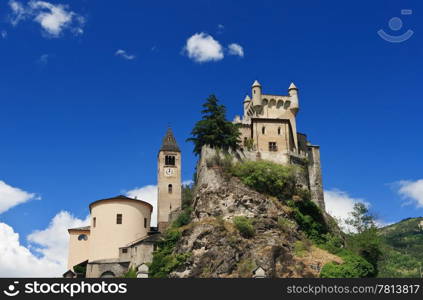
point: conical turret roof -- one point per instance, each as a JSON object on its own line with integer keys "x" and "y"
{"x": 292, "y": 86}
{"x": 256, "y": 83}
{"x": 169, "y": 142}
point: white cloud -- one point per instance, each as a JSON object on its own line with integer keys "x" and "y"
{"x": 12, "y": 196}
{"x": 52, "y": 18}
{"x": 19, "y": 12}
{"x": 202, "y": 47}
{"x": 148, "y": 194}
{"x": 43, "y": 59}
{"x": 53, "y": 241}
{"x": 339, "y": 205}
{"x": 3, "y": 34}
{"x": 236, "y": 49}
{"x": 51, "y": 244}
{"x": 412, "y": 191}
{"x": 124, "y": 54}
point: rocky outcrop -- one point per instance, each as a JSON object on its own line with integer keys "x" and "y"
{"x": 219, "y": 250}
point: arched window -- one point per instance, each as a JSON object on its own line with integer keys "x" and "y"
{"x": 107, "y": 274}
{"x": 169, "y": 160}
{"x": 263, "y": 130}
{"x": 279, "y": 131}
{"x": 170, "y": 189}
{"x": 82, "y": 237}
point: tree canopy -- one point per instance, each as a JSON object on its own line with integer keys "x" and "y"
{"x": 360, "y": 218}
{"x": 214, "y": 129}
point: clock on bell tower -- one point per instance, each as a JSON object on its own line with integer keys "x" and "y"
{"x": 168, "y": 179}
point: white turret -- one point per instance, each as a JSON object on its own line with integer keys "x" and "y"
{"x": 256, "y": 93}
{"x": 247, "y": 102}
{"x": 293, "y": 95}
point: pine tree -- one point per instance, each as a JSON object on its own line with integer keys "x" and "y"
{"x": 213, "y": 129}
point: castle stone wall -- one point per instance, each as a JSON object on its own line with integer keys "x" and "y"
{"x": 315, "y": 176}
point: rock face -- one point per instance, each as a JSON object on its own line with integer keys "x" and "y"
{"x": 219, "y": 250}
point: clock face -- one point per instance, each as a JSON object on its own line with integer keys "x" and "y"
{"x": 169, "y": 171}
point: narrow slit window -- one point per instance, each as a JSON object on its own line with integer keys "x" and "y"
{"x": 263, "y": 130}
{"x": 279, "y": 131}
{"x": 145, "y": 222}
{"x": 170, "y": 189}
{"x": 119, "y": 219}
{"x": 94, "y": 221}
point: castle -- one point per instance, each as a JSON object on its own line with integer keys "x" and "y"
{"x": 269, "y": 131}
{"x": 120, "y": 235}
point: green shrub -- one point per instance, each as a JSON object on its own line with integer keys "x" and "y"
{"x": 267, "y": 177}
{"x": 244, "y": 226}
{"x": 332, "y": 243}
{"x": 183, "y": 219}
{"x": 131, "y": 273}
{"x": 163, "y": 264}
{"x": 164, "y": 260}
{"x": 80, "y": 269}
{"x": 367, "y": 244}
{"x": 310, "y": 219}
{"x": 354, "y": 266}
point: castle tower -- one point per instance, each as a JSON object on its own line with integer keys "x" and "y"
{"x": 247, "y": 102}
{"x": 256, "y": 94}
{"x": 168, "y": 179}
{"x": 293, "y": 94}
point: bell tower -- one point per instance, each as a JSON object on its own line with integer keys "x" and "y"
{"x": 168, "y": 179}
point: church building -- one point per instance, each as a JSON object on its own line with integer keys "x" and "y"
{"x": 120, "y": 235}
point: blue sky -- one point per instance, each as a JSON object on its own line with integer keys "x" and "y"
{"x": 81, "y": 120}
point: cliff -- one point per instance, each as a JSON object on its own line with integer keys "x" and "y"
{"x": 219, "y": 245}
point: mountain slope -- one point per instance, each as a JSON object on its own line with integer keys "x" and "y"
{"x": 403, "y": 253}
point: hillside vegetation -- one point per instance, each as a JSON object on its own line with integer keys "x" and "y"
{"x": 403, "y": 249}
